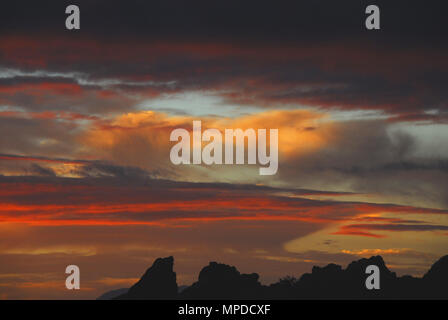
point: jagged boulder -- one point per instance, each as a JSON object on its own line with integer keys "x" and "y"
{"x": 355, "y": 277}
{"x": 333, "y": 282}
{"x": 221, "y": 281}
{"x": 322, "y": 282}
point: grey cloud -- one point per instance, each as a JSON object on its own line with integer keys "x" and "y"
{"x": 364, "y": 156}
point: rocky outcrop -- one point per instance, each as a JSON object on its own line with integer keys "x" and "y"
{"x": 221, "y": 281}
{"x": 158, "y": 282}
{"x": 435, "y": 281}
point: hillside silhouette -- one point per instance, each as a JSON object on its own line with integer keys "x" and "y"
{"x": 221, "y": 281}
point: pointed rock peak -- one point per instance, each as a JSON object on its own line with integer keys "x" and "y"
{"x": 159, "y": 281}
{"x": 377, "y": 260}
{"x": 165, "y": 264}
{"x": 439, "y": 269}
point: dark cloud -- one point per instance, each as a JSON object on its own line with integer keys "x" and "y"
{"x": 262, "y": 76}
{"x": 99, "y": 169}
{"x": 36, "y": 136}
{"x": 314, "y": 53}
{"x": 41, "y": 171}
{"x": 422, "y": 165}
{"x": 397, "y": 227}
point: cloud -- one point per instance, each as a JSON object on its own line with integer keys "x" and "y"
{"x": 250, "y": 74}
{"x": 39, "y": 136}
{"x": 394, "y": 227}
{"x": 369, "y": 157}
{"x": 42, "y": 171}
{"x": 123, "y": 200}
{"x": 84, "y": 155}
{"x": 316, "y": 151}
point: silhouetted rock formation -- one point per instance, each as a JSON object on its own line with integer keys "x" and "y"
{"x": 435, "y": 281}
{"x": 158, "y": 282}
{"x": 110, "y": 295}
{"x": 220, "y": 281}
{"x": 332, "y": 282}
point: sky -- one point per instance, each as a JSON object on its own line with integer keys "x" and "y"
{"x": 86, "y": 116}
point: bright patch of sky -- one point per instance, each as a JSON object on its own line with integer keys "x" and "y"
{"x": 347, "y": 115}
{"x": 5, "y": 108}
{"x": 80, "y": 78}
{"x": 197, "y": 103}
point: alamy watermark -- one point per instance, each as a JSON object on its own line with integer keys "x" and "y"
{"x": 213, "y": 152}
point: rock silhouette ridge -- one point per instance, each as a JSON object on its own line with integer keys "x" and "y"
{"x": 221, "y": 281}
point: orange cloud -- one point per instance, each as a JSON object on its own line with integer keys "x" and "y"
{"x": 142, "y": 138}
{"x": 374, "y": 252}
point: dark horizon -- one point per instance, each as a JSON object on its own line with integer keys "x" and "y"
{"x": 218, "y": 281}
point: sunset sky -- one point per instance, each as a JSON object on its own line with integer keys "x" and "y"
{"x": 86, "y": 115}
